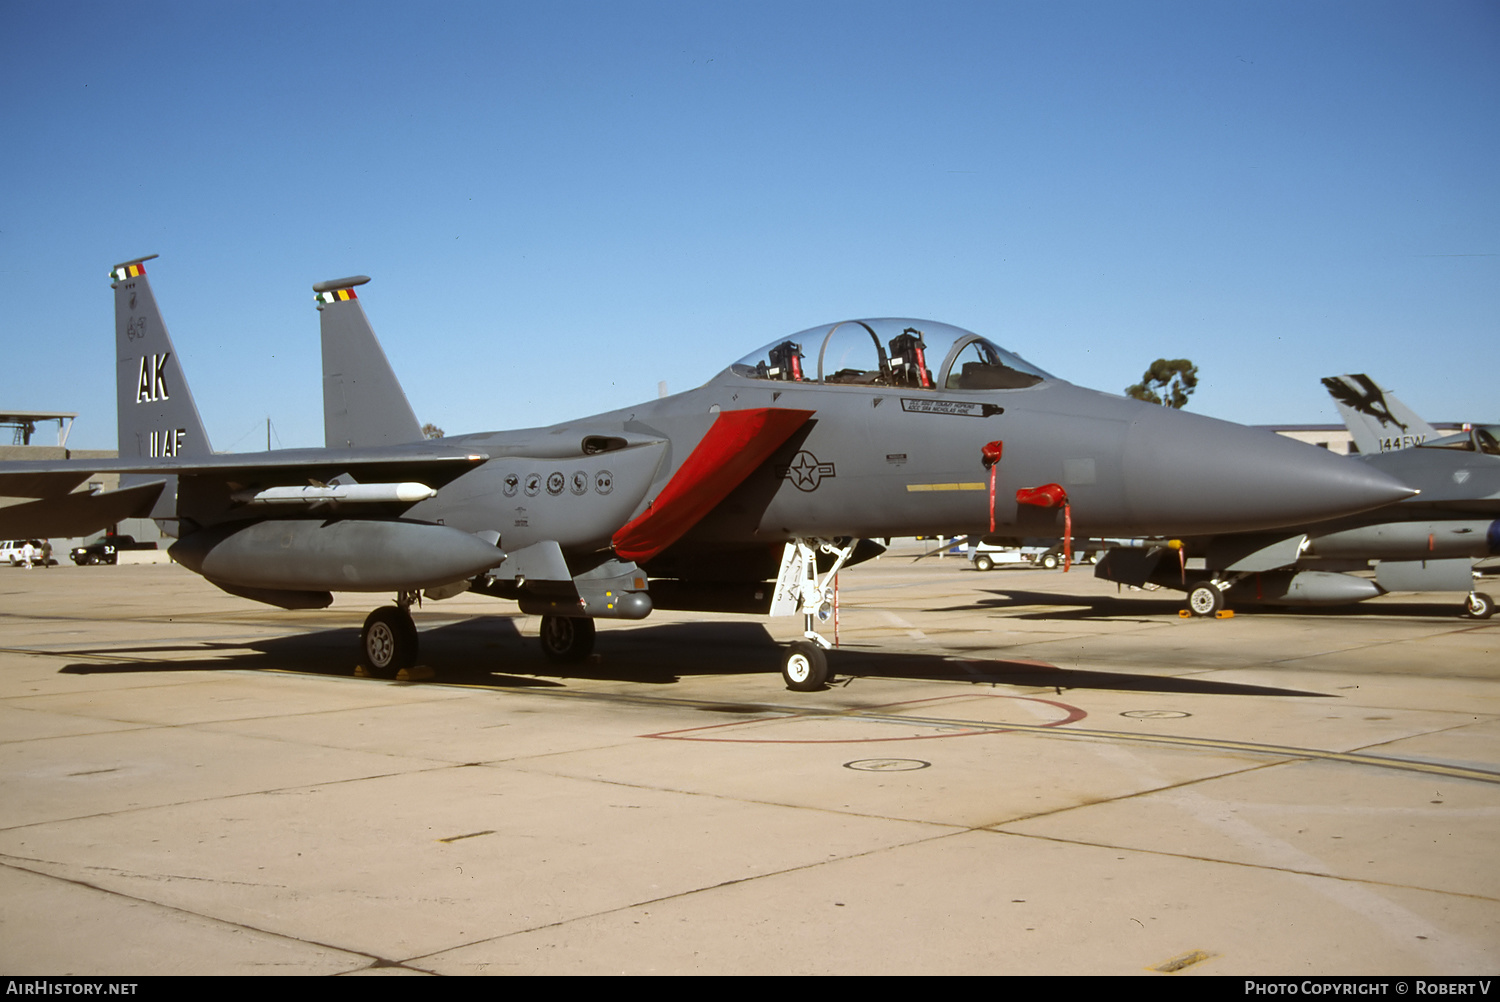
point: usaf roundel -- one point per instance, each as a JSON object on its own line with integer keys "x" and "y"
{"x": 805, "y": 472}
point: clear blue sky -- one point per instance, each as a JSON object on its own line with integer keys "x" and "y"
{"x": 563, "y": 203}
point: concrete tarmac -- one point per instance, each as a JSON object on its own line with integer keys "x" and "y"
{"x": 1018, "y": 772}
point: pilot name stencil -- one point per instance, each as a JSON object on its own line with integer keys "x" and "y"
{"x": 962, "y": 408}
{"x": 805, "y": 472}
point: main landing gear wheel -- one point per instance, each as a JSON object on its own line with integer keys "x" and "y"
{"x": 1479, "y": 606}
{"x": 804, "y": 667}
{"x": 388, "y": 641}
{"x": 1205, "y": 600}
{"x": 567, "y": 639}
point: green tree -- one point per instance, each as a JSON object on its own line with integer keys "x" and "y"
{"x": 1169, "y": 382}
{"x": 431, "y": 430}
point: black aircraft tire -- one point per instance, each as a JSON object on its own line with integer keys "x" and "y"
{"x": 1050, "y": 562}
{"x": 1479, "y": 606}
{"x": 566, "y": 639}
{"x": 983, "y": 563}
{"x": 1205, "y": 600}
{"x": 388, "y": 642}
{"x": 804, "y": 667}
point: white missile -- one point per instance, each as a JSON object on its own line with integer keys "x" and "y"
{"x": 405, "y": 493}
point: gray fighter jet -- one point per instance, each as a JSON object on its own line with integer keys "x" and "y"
{"x": 745, "y": 495}
{"x": 1428, "y": 542}
{"x": 1377, "y": 421}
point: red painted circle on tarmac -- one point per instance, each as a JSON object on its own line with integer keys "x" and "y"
{"x": 1071, "y": 714}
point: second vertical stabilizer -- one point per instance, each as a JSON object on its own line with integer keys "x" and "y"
{"x": 363, "y": 403}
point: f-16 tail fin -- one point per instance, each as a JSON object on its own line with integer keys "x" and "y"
{"x": 363, "y": 403}
{"x": 156, "y": 414}
{"x": 1377, "y": 421}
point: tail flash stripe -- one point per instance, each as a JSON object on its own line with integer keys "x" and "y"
{"x": 340, "y": 296}
{"x": 128, "y": 271}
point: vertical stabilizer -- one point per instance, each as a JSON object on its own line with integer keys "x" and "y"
{"x": 156, "y": 415}
{"x": 363, "y": 403}
{"x": 1377, "y": 421}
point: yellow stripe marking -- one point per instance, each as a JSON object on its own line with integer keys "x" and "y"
{"x": 946, "y": 487}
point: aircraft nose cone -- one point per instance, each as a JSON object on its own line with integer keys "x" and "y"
{"x": 1186, "y": 474}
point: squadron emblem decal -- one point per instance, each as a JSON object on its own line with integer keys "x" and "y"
{"x": 805, "y": 472}
{"x": 604, "y": 482}
{"x": 511, "y": 484}
{"x": 1360, "y": 394}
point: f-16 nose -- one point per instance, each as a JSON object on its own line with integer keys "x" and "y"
{"x": 1186, "y": 474}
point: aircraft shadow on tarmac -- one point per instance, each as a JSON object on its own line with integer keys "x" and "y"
{"x": 490, "y": 651}
{"x": 1140, "y": 606}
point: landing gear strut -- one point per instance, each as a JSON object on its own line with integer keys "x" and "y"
{"x": 1479, "y": 605}
{"x": 804, "y": 665}
{"x": 388, "y": 641}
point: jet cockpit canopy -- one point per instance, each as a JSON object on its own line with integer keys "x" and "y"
{"x": 1480, "y": 438}
{"x": 914, "y": 354}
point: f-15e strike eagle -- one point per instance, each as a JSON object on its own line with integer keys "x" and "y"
{"x": 745, "y": 495}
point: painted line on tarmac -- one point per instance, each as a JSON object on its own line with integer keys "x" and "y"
{"x": 974, "y": 726}
{"x": 1051, "y": 730}
{"x": 1071, "y": 714}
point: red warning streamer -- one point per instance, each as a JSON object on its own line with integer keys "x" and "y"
{"x": 990, "y": 455}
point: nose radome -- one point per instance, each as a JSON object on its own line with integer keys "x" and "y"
{"x": 1186, "y": 474}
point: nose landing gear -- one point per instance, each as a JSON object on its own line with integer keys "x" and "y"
{"x": 799, "y": 587}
